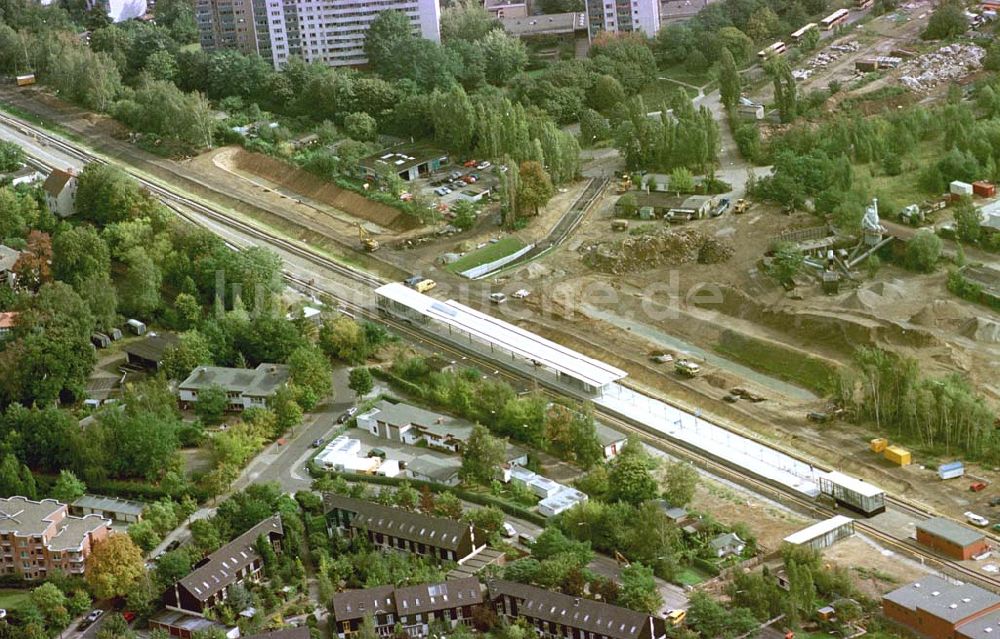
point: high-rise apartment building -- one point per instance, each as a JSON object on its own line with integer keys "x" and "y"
{"x": 623, "y": 16}
{"x": 327, "y": 31}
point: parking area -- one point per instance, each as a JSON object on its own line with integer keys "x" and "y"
{"x": 425, "y": 458}
{"x": 471, "y": 180}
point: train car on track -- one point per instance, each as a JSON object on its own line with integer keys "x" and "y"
{"x": 852, "y": 493}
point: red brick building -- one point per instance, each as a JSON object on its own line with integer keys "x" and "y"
{"x": 39, "y": 537}
{"x": 939, "y": 609}
{"x": 950, "y": 538}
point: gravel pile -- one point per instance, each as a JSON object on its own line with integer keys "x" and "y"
{"x": 947, "y": 64}
{"x": 715, "y": 251}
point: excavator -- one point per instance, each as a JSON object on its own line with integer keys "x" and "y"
{"x": 368, "y": 243}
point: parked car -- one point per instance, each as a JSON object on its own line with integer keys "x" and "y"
{"x": 526, "y": 539}
{"x": 318, "y": 442}
{"x": 661, "y": 358}
{"x": 498, "y": 298}
{"x": 520, "y": 294}
{"x": 469, "y": 179}
{"x": 347, "y": 414}
{"x": 174, "y": 545}
{"x": 483, "y": 165}
{"x": 90, "y": 619}
{"x": 818, "y": 417}
{"x": 442, "y": 191}
{"x": 995, "y": 501}
{"x": 976, "y": 486}
{"x": 455, "y": 175}
{"x": 470, "y": 163}
{"x": 508, "y": 530}
{"x": 128, "y": 616}
{"x": 976, "y": 520}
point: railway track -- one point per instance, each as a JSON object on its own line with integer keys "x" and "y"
{"x": 656, "y": 439}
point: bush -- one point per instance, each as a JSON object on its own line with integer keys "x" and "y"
{"x": 923, "y": 252}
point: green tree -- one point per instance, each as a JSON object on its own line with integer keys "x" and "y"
{"x": 144, "y": 535}
{"x": 629, "y": 479}
{"x": 140, "y": 290}
{"x": 709, "y": 618}
{"x": 535, "y": 189}
{"x": 212, "y": 403}
{"x": 310, "y": 369}
{"x": 344, "y": 339}
{"x": 11, "y": 156}
{"x": 361, "y": 126}
{"x": 172, "y": 566}
{"x": 482, "y": 455}
{"x": 79, "y": 255}
{"x": 105, "y": 194}
{"x": 16, "y": 478}
{"x": 466, "y": 20}
{"x": 465, "y": 215}
{"x": 385, "y": 35}
{"x": 68, "y": 488}
{"x": 191, "y": 350}
{"x": 681, "y": 480}
{"x": 967, "y": 222}
{"x": 50, "y": 601}
{"x": 787, "y": 262}
{"x": 681, "y": 180}
{"x": 505, "y": 56}
{"x": 785, "y": 92}
{"x": 739, "y": 45}
{"x": 606, "y": 95}
{"x": 947, "y": 21}
{"x": 923, "y": 251}
{"x": 730, "y": 84}
{"x": 593, "y": 127}
{"x": 639, "y": 590}
{"x": 114, "y": 565}
{"x": 360, "y": 381}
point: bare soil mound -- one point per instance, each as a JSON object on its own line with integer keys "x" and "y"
{"x": 941, "y": 314}
{"x": 316, "y": 188}
{"x": 656, "y": 249}
{"x": 982, "y": 330}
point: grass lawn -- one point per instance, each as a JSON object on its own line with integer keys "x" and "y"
{"x": 690, "y": 577}
{"x": 11, "y": 598}
{"x": 901, "y": 190}
{"x": 487, "y": 254}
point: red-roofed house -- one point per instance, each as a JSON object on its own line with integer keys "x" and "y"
{"x": 60, "y": 192}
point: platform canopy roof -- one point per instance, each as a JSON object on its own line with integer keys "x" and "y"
{"x": 854, "y": 485}
{"x": 506, "y": 336}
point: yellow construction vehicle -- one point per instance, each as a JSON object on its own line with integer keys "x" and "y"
{"x": 367, "y": 242}
{"x": 625, "y": 184}
{"x": 740, "y": 207}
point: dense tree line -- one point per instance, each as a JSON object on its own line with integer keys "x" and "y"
{"x": 945, "y": 414}
{"x": 680, "y": 136}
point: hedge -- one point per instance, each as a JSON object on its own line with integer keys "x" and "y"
{"x": 139, "y": 490}
{"x": 477, "y": 498}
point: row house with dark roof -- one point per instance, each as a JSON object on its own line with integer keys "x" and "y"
{"x": 414, "y": 608}
{"x": 397, "y": 529}
{"x": 555, "y": 615}
{"x": 235, "y": 563}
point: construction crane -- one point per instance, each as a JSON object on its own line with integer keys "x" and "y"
{"x": 367, "y": 242}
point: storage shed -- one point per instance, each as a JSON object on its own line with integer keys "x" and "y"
{"x": 960, "y": 188}
{"x": 951, "y": 470}
{"x": 950, "y": 538}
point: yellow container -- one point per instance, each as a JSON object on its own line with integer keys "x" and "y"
{"x": 879, "y": 444}
{"x": 897, "y": 455}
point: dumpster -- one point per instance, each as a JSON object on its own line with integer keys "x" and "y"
{"x": 879, "y": 444}
{"x": 897, "y": 455}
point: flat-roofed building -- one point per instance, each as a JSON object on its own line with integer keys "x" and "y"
{"x": 409, "y": 162}
{"x": 553, "y": 24}
{"x": 184, "y": 626}
{"x": 951, "y": 538}
{"x": 235, "y": 563}
{"x": 113, "y": 508}
{"x": 501, "y": 9}
{"x": 823, "y": 534}
{"x": 397, "y": 529}
{"x": 39, "y": 537}
{"x": 553, "y": 614}
{"x": 936, "y": 608}
{"x": 414, "y": 608}
{"x": 244, "y": 388}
